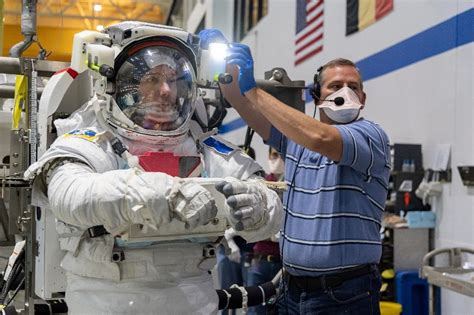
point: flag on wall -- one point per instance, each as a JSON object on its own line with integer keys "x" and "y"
{"x": 309, "y": 29}
{"x": 362, "y": 13}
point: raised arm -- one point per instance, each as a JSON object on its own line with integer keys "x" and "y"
{"x": 297, "y": 126}
{"x": 246, "y": 109}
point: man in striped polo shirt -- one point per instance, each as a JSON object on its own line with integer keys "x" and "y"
{"x": 337, "y": 170}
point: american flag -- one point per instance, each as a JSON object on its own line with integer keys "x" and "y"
{"x": 309, "y": 29}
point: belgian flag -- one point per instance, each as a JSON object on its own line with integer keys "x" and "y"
{"x": 362, "y": 13}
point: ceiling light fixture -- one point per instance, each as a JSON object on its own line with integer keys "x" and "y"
{"x": 97, "y": 7}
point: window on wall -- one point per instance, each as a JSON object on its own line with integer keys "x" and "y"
{"x": 247, "y": 13}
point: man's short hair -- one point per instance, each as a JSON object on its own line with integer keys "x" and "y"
{"x": 336, "y": 63}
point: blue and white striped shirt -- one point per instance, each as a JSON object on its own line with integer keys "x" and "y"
{"x": 333, "y": 212}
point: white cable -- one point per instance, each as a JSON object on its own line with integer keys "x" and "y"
{"x": 228, "y": 299}
{"x": 263, "y": 294}
{"x": 245, "y": 298}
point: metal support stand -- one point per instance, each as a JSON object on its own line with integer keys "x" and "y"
{"x": 453, "y": 277}
{"x": 27, "y": 220}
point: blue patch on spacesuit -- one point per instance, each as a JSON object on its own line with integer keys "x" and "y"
{"x": 218, "y": 146}
{"x": 87, "y": 134}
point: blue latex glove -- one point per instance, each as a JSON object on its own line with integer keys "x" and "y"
{"x": 239, "y": 55}
{"x": 211, "y": 35}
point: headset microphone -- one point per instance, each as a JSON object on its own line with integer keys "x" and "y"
{"x": 338, "y": 101}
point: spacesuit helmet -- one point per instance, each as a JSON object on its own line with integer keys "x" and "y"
{"x": 155, "y": 90}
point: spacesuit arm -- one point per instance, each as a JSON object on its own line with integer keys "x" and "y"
{"x": 81, "y": 197}
{"x": 255, "y": 210}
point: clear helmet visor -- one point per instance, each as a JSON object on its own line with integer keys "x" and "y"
{"x": 156, "y": 88}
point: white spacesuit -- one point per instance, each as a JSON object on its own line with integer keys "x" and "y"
{"x": 97, "y": 189}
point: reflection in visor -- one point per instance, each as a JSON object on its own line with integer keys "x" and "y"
{"x": 156, "y": 88}
{"x": 155, "y": 116}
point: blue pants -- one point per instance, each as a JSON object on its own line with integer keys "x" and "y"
{"x": 353, "y": 297}
{"x": 261, "y": 271}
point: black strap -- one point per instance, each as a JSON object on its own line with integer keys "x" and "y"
{"x": 97, "y": 231}
{"x": 257, "y": 295}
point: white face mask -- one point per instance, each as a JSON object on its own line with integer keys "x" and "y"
{"x": 346, "y": 112}
{"x": 276, "y": 166}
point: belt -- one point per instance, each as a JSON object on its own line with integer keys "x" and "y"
{"x": 269, "y": 258}
{"x": 309, "y": 284}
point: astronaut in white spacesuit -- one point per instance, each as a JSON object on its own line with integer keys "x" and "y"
{"x": 111, "y": 166}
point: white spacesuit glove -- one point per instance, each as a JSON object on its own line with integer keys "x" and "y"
{"x": 247, "y": 202}
{"x": 192, "y": 204}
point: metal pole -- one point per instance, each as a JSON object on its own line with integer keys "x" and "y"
{"x": 27, "y": 219}
{"x": 8, "y": 91}
{"x": 30, "y": 72}
{"x": 10, "y": 65}
{"x": 45, "y": 68}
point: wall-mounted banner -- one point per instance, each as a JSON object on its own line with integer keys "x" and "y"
{"x": 309, "y": 29}
{"x": 362, "y": 13}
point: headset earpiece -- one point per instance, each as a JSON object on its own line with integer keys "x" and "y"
{"x": 316, "y": 90}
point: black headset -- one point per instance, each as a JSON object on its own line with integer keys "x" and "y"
{"x": 315, "y": 91}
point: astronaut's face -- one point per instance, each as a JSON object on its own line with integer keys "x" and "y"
{"x": 155, "y": 89}
{"x": 158, "y": 97}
